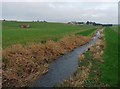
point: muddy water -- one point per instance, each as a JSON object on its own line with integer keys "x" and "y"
{"x": 63, "y": 67}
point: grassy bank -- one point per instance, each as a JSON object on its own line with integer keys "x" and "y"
{"x": 110, "y": 66}
{"x": 38, "y": 31}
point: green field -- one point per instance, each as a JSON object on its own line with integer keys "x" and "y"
{"x": 115, "y": 28}
{"x": 110, "y": 66}
{"x": 87, "y": 32}
{"x": 38, "y": 31}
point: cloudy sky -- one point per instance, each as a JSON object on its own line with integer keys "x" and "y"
{"x": 103, "y": 12}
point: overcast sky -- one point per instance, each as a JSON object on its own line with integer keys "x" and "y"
{"x": 103, "y": 12}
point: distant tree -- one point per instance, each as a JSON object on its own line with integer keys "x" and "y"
{"x": 94, "y": 23}
{"x": 87, "y": 22}
{"x": 45, "y": 21}
{"x": 80, "y": 22}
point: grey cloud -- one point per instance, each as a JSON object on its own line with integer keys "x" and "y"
{"x": 61, "y": 12}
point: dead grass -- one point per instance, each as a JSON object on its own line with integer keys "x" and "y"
{"x": 23, "y": 64}
{"x": 79, "y": 78}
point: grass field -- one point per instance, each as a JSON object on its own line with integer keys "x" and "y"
{"x": 87, "y": 32}
{"x": 110, "y": 66}
{"x": 115, "y": 28}
{"x": 13, "y": 34}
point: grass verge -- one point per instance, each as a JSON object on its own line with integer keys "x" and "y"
{"x": 110, "y": 66}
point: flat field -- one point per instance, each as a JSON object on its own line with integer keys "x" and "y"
{"x": 38, "y": 31}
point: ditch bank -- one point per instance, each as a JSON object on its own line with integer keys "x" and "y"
{"x": 24, "y": 64}
{"x": 63, "y": 67}
{"x": 88, "y": 72}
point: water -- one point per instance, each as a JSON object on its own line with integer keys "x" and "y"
{"x": 63, "y": 67}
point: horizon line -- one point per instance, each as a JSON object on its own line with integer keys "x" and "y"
{"x": 53, "y": 21}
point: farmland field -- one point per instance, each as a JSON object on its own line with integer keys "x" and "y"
{"x": 86, "y": 32}
{"x": 38, "y": 31}
{"x": 115, "y": 28}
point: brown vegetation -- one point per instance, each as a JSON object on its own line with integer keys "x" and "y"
{"x": 79, "y": 78}
{"x": 23, "y": 64}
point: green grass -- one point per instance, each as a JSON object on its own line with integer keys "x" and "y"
{"x": 13, "y": 34}
{"x": 90, "y": 81}
{"x": 110, "y": 66}
{"x": 87, "y": 32}
{"x": 115, "y": 28}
